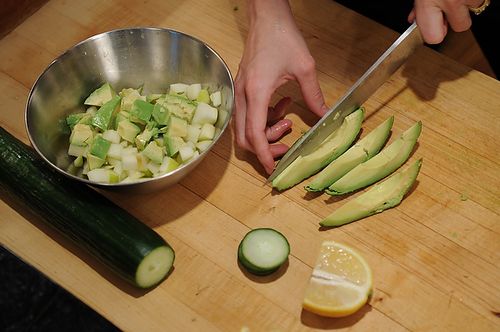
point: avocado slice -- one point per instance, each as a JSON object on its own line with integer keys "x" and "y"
{"x": 101, "y": 95}
{"x": 100, "y": 147}
{"x": 381, "y": 165}
{"x": 382, "y": 196}
{"x": 330, "y": 149}
{"x": 363, "y": 150}
{"x": 141, "y": 110}
{"x": 102, "y": 117}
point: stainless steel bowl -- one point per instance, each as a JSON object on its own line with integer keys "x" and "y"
{"x": 152, "y": 57}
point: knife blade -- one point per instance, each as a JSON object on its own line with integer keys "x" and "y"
{"x": 366, "y": 85}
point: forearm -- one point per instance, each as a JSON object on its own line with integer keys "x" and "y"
{"x": 270, "y": 12}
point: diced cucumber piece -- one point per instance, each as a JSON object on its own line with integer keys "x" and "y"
{"x": 221, "y": 118}
{"x": 193, "y": 90}
{"x": 178, "y": 88}
{"x": 193, "y": 133}
{"x": 205, "y": 113}
{"x": 78, "y": 162}
{"x": 161, "y": 114}
{"x": 81, "y": 135}
{"x": 153, "y": 97}
{"x": 103, "y": 116}
{"x": 112, "y": 136}
{"x": 216, "y": 98}
{"x": 101, "y": 95}
{"x": 128, "y": 131}
{"x": 186, "y": 152}
{"x": 207, "y": 132}
{"x": 103, "y": 175}
{"x": 263, "y": 250}
{"x": 115, "y": 151}
{"x": 100, "y": 147}
{"x": 203, "y": 145}
{"x": 141, "y": 110}
{"x": 129, "y": 162}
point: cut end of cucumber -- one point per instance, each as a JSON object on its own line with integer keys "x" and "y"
{"x": 154, "y": 267}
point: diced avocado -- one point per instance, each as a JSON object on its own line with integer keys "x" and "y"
{"x": 168, "y": 164}
{"x": 141, "y": 110}
{"x": 330, "y": 149}
{"x": 154, "y": 152}
{"x": 203, "y": 96}
{"x": 100, "y": 147}
{"x": 161, "y": 114}
{"x": 207, "y": 132}
{"x": 103, "y": 116}
{"x": 205, "y": 113}
{"x": 81, "y": 135}
{"x": 101, "y": 95}
{"x": 143, "y": 138}
{"x": 382, "y": 196}
{"x": 173, "y": 144}
{"x": 176, "y": 127}
{"x": 94, "y": 161}
{"x": 73, "y": 119}
{"x": 120, "y": 116}
{"x": 128, "y": 131}
{"x": 77, "y": 150}
{"x": 381, "y": 165}
{"x": 358, "y": 153}
{"x": 129, "y": 96}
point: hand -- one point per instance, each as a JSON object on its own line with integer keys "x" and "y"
{"x": 275, "y": 52}
{"x": 433, "y": 17}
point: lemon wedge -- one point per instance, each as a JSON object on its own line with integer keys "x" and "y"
{"x": 341, "y": 282}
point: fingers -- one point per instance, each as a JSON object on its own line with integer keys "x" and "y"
{"x": 276, "y": 131}
{"x": 431, "y": 22}
{"x": 278, "y": 111}
{"x": 458, "y": 17}
{"x": 310, "y": 88}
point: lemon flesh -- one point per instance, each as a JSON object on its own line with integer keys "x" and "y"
{"x": 341, "y": 282}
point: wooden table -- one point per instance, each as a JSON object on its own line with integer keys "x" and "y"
{"x": 435, "y": 258}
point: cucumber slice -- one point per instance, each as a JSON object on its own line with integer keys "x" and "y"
{"x": 263, "y": 251}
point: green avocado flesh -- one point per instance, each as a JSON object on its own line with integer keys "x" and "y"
{"x": 378, "y": 167}
{"x": 331, "y": 148}
{"x": 363, "y": 150}
{"x": 380, "y": 197}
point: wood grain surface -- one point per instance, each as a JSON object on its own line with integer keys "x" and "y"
{"x": 435, "y": 258}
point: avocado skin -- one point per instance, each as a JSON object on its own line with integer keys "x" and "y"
{"x": 382, "y": 196}
{"x": 380, "y": 166}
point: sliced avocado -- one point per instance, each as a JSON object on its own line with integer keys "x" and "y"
{"x": 122, "y": 115}
{"x": 331, "y": 148}
{"x": 73, "y": 119}
{"x": 130, "y": 95}
{"x": 360, "y": 152}
{"x": 141, "y": 110}
{"x": 101, "y": 95}
{"x": 381, "y": 165}
{"x": 168, "y": 165}
{"x": 100, "y": 147}
{"x": 103, "y": 116}
{"x": 203, "y": 96}
{"x": 382, "y": 196}
{"x": 143, "y": 138}
{"x": 94, "y": 162}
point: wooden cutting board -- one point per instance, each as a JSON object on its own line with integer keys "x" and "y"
{"x": 435, "y": 258}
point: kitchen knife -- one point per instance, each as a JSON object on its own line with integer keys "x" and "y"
{"x": 366, "y": 85}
